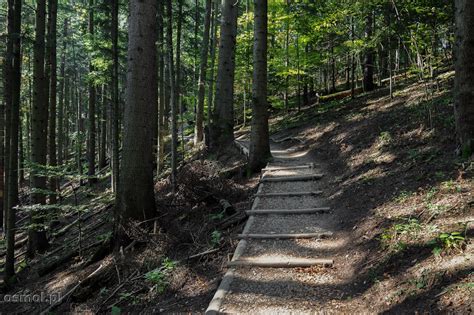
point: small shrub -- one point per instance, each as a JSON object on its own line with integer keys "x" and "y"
{"x": 216, "y": 238}
{"x": 159, "y": 276}
{"x": 448, "y": 242}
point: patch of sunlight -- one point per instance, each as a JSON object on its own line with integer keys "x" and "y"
{"x": 286, "y": 156}
{"x": 371, "y": 175}
{"x": 446, "y": 75}
{"x": 385, "y": 158}
{"x": 356, "y": 117}
{"x": 60, "y": 282}
{"x": 331, "y": 244}
{"x": 457, "y": 262}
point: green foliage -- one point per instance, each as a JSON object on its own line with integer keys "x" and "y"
{"x": 217, "y": 216}
{"x": 116, "y": 310}
{"x": 216, "y": 238}
{"x": 385, "y": 137}
{"x": 399, "y": 234}
{"x": 448, "y": 242}
{"x": 159, "y": 276}
{"x": 402, "y": 196}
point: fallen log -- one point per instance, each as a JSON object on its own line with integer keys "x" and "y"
{"x": 68, "y": 293}
{"x": 50, "y": 266}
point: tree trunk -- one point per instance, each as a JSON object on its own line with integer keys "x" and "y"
{"x": 178, "y": 100}
{"x": 13, "y": 145}
{"x": 173, "y": 96}
{"x": 39, "y": 124}
{"x": 368, "y": 81}
{"x": 287, "y": 57}
{"x": 6, "y": 109}
{"x": 259, "y": 137}
{"x": 464, "y": 81}
{"x": 62, "y": 95}
{"x": 136, "y": 193}
{"x": 161, "y": 78}
{"x": 115, "y": 98}
{"x": 210, "y": 94}
{"x": 222, "y": 133}
{"x": 103, "y": 129}
{"x": 92, "y": 100}
{"x": 52, "y": 98}
{"x": 352, "y": 60}
{"x": 199, "y": 127}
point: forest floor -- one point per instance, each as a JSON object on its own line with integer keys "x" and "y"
{"x": 403, "y": 198}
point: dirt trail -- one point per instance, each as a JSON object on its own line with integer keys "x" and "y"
{"x": 250, "y": 288}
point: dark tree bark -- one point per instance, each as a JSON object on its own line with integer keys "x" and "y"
{"x": 173, "y": 95}
{"x": 161, "y": 84}
{"x": 368, "y": 81}
{"x": 259, "y": 137}
{"x": 37, "y": 240}
{"x": 136, "y": 194}
{"x": 12, "y": 199}
{"x": 115, "y": 97}
{"x": 287, "y": 58}
{"x": 53, "y": 8}
{"x": 179, "y": 104}
{"x": 103, "y": 129}
{"x": 63, "y": 94}
{"x": 223, "y": 123}
{"x": 199, "y": 127}
{"x": 91, "y": 141}
{"x": 464, "y": 81}
{"x": 212, "y": 52}
{"x": 6, "y": 109}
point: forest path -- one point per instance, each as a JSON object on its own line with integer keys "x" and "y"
{"x": 297, "y": 244}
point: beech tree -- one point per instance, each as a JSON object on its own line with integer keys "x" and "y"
{"x": 135, "y": 192}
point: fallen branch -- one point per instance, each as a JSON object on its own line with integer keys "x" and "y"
{"x": 67, "y": 294}
{"x": 63, "y": 259}
{"x": 207, "y": 252}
